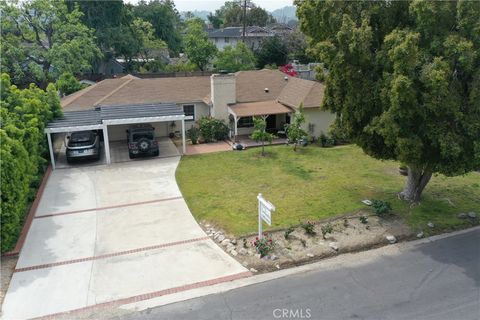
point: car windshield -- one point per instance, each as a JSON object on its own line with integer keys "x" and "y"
{"x": 142, "y": 135}
{"x": 82, "y": 136}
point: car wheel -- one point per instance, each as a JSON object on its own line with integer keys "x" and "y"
{"x": 143, "y": 145}
{"x": 156, "y": 153}
{"x": 131, "y": 156}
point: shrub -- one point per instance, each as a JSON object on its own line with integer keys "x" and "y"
{"x": 309, "y": 228}
{"x": 326, "y": 141}
{"x": 193, "y": 133}
{"x": 288, "y": 232}
{"x": 264, "y": 246}
{"x": 381, "y": 208}
{"x": 212, "y": 129}
{"x": 327, "y": 228}
{"x": 363, "y": 219}
{"x": 68, "y": 84}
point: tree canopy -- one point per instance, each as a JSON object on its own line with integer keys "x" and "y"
{"x": 164, "y": 18}
{"x": 233, "y": 59}
{"x": 198, "y": 48}
{"x": 273, "y": 51}
{"x": 41, "y": 39}
{"x": 231, "y": 15}
{"x": 404, "y": 80}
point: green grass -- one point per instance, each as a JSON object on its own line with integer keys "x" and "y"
{"x": 312, "y": 184}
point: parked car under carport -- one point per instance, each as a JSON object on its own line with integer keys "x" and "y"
{"x": 82, "y": 145}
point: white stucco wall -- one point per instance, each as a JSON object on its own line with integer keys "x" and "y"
{"x": 118, "y": 132}
{"x": 320, "y": 119}
{"x": 201, "y": 110}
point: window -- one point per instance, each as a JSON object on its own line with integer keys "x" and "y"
{"x": 227, "y": 40}
{"x": 189, "y": 110}
{"x": 245, "y": 122}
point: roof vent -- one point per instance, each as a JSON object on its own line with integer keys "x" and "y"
{"x": 285, "y": 78}
{"x": 266, "y": 90}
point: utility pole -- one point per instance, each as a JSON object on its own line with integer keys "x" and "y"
{"x": 244, "y": 19}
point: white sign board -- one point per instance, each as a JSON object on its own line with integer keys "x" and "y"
{"x": 265, "y": 209}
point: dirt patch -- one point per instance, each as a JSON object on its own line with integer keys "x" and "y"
{"x": 6, "y": 267}
{"x": 349, "y": 235}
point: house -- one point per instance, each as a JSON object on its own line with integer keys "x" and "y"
{"x": 173, "y": 105}
{"x": 234, "y": 98}
{"x": 230, "y": 36}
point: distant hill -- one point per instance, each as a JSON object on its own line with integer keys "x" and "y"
{"x": 196, "y": 13}
{"x": 285, "y": 14}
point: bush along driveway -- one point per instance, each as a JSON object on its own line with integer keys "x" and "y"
{"x": 320, "y": 185}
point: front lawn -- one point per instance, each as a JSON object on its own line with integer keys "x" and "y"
{"x": 313, "y": 184}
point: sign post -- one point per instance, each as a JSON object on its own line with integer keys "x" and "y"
{"x": 265, "y": 209}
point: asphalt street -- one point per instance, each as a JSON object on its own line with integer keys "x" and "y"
{"x": 436, "y": 280}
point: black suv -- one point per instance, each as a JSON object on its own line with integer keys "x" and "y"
{"x": 141, "y": 141}
{"x": 83, "y": 145}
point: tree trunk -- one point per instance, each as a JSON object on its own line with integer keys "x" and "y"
{"x": 263, "y": 148}
{"x": 416, "y": 181}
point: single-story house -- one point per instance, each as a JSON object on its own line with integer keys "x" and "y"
{"x": 173, "y": 104}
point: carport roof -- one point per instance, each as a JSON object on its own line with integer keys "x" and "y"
{"x": 115, "y": 114}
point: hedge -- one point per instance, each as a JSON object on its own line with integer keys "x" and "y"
{"x": 23, "y": 151}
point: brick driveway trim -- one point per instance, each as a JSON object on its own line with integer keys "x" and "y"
{"x": 151, "y": 295}
{"x": 106, "y": 208}
{"x": 109, "y": 255}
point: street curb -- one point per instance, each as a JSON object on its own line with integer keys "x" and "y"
{"x": 325, "y": 264}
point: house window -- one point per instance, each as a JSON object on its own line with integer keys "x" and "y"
{"x": 245, "y": 122}
{"x": 189, "y": 110}
{"x": 227, "y": 40}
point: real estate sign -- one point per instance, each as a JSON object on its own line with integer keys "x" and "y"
{"x": 265, "y": 209}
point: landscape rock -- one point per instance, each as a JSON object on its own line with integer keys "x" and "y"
{"x": 273, "y": 257}
{"x": 333, "y": 245}
{"x": 420, "y": 234}
{"x": 391, "y": 238}
{"x": 221, "y": 238}
{"x": 277, "y": 266}
{"x": 225, "y": 242}
{"x": 245, "y": 264}
{"x": 207, "y": 226}
{"x": 462, "y": 216}
{"x": 310, "y": 255}
{"x": 234, "y": 253}
{"x": 472, "y": 215}
{"x": 253, "y": 270}
{"x": 430, "y": 225}
{"x": 234, "y": 241}
{"x": 243, "y": 251}
{"x": 258, "y": 256}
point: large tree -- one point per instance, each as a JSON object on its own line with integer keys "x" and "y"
{"x": 164, "y": 18}
{"x": 404, "y": 80}
{"x": 233, "y": 59}
{"x": 198, "y": 48}
{"x": 273, "y": 51}
{"x": 41, "y": 39}
{"x": 231, "y": 15}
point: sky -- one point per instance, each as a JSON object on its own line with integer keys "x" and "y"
{"x": 211, "y": 5}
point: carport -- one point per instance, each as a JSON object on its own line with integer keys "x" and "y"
{"x": 101, "y": 117}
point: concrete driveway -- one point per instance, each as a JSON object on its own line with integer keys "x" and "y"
{"x": 109, "y": 235}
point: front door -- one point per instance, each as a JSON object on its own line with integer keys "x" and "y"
{"x": 271, "y": 122}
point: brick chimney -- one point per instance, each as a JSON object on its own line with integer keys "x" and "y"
{"x": 223, "y": 93}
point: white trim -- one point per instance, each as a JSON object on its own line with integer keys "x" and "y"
{"x": 184, "y": 147}
{"x": 106, "y": 144}
{"x": 50, "y": 148}
{"x": 73, "y": 129}
{"x": 145, "y": 119}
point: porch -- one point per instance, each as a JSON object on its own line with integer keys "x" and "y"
{"x": 276, "y": 116}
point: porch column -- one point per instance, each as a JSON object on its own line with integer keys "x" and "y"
{"x": 50, "y": 148}
{"x": 236, "y": 124}
{"x": 106, "y": 144}
{"x": 184, "y": 147}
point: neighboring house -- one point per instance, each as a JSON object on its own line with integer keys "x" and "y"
{"x": 280, "y": 29}
{"x": 234, "y": 98}
{"x": 230, "y": 36}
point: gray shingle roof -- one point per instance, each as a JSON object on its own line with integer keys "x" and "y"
{"x": 235, "y": 32}
{"x": 96, "y": 116}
